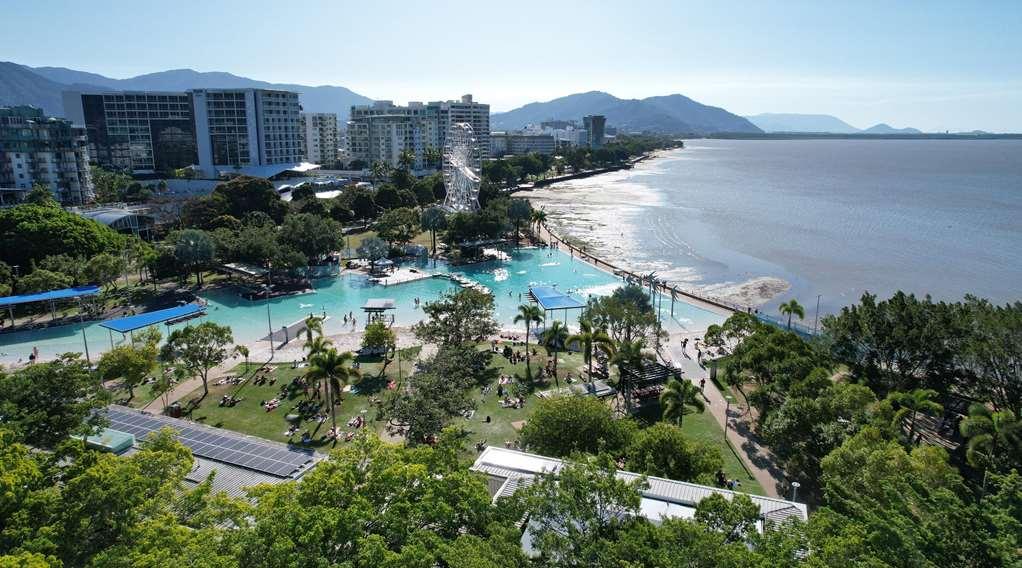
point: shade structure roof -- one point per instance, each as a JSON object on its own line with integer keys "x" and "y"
{"x": 379, "y": 304}
{"x": 61, "y": 294}
{"x": 131, "y": 323}
{"x": 550, "y": 298}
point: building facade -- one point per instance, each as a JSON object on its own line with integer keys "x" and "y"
{"x": 137, "y": 132}
{"x": 218, "y": 129}
{"x": 245, "y": 129}
{"x": 52, "y": 152}
{"x": 520, "y": 143}
{"x": 380, "y": 132}
{"x": 594, "y": 126}
{"x": 319, "y": 137}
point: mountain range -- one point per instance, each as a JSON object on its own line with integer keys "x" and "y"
{"x": 42, "y": 86}
{"x": 670, "y": 114}
{"x": 818, "y": 123}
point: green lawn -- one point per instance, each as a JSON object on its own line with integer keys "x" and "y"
{"x": 249, "y": 417}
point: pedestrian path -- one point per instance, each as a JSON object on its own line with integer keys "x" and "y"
{"x": 757, "y": 459}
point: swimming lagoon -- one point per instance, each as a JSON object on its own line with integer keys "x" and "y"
{"x": 509, "y": 280}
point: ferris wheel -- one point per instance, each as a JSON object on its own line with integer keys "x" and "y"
{"x": 461, "y": 178}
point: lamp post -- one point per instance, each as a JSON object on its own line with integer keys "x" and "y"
{"x": 794, "y": 489}
{"x": 727, "y": 414}
{"x": 86, "y": 341}
{"x": 816, "y": 320}
{"x": 269, "y": 322}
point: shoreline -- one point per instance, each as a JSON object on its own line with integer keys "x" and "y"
{"x": 717, "y": 305}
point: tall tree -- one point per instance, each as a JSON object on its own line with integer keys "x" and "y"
{"x": 555, "y": 339}
{"x": 591, "y": 341}
{"x": 994, "y": 439}
{"x": 433, "y": 219}
{"x": 374, "y": 249}
{"x": 519, "y": 211}
{"x": 528, "y": 314}
{"x": 911, "y": 404}
{"x": 195, "y": 250}
{"x": 334, "y": 370}
{"x": 457, "y": 318}
{"x": 45, "y": 403}
{"x": 792, "y": 308}
{"x": 199, "y": 348}
{"x": 680, "y": 398}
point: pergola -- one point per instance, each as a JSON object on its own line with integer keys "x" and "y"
{"x": 50, "y": 296}
{"x": 646, "y": 382}
{"x": 376, "y": 309}
{"x": 170, "y": 316}
{"x": 552, "y": 299}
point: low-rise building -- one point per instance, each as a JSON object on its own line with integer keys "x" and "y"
{"x": 508, "y": 470}
{"x": 520, "y": 143}
{"x": 48, "y": 151}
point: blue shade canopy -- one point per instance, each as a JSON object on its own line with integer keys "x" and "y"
{"x": 51, "y": 295}
{"x": 131, "y": 323}
{"x": 551, "y": 298}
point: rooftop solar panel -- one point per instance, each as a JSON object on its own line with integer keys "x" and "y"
{"x": 227, "y": 448}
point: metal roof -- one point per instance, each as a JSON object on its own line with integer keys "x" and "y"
{"x": 550, "y": 298}
{"x": 61, "y": 294}
{"x": 663, "y": 497}
{"x": 131, "y": 323}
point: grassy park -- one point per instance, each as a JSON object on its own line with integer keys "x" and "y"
{"x": 250, "y": 417}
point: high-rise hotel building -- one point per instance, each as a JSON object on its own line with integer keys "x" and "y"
{"x": 244, "y": 130}
{"x": 320, "y": 140}
{"x": 380, "y": 132}
{"x": 37, "y": 149}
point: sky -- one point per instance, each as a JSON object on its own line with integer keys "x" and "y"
{"x": 933, "y": 65}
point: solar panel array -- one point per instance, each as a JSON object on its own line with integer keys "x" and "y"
{"x": 234, "y": 450}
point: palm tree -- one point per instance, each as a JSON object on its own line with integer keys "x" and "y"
{"x": 313, "y": 326}
{"x": 334, "y": 370}
{"x": 629, "y": 356}
{"x": 317, "y": 344}
{"x": 912, "y": 403}
{"x": 554, "y": 338}
{"x": 434, "y": 157}
{"x": 538, "y": 216}
{"x": 680, "y": 398}
{"x": 792, "y": 308}
{"x": 433, "y": 219}
{"x": 243, "y": 351}
{"x": 992, "y": 436}
{"x": 406, "y": 159}
{"x": 590, "y": 341}
{"x": 379, "y": 171}
{"x": 529, "y": 314}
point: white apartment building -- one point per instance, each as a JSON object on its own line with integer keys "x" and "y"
{"x": 320, "y": 140}
{"x": 251, "y": 131}
{"x": 520, "y": 143}
{"x": 380, "y": 132}
{"x": 37, "y": 149}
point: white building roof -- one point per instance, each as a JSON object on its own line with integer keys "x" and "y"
{"x": 663, "y": 498}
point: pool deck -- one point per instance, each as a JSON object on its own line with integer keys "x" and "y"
{"x": 403, "y": 275}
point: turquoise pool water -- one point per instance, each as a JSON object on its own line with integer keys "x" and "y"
{"x": 509, "y": 280}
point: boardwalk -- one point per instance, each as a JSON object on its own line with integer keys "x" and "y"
{"x": 757, "y": 459}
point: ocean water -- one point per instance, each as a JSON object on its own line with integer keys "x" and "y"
{"x": 762, "y": 221}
